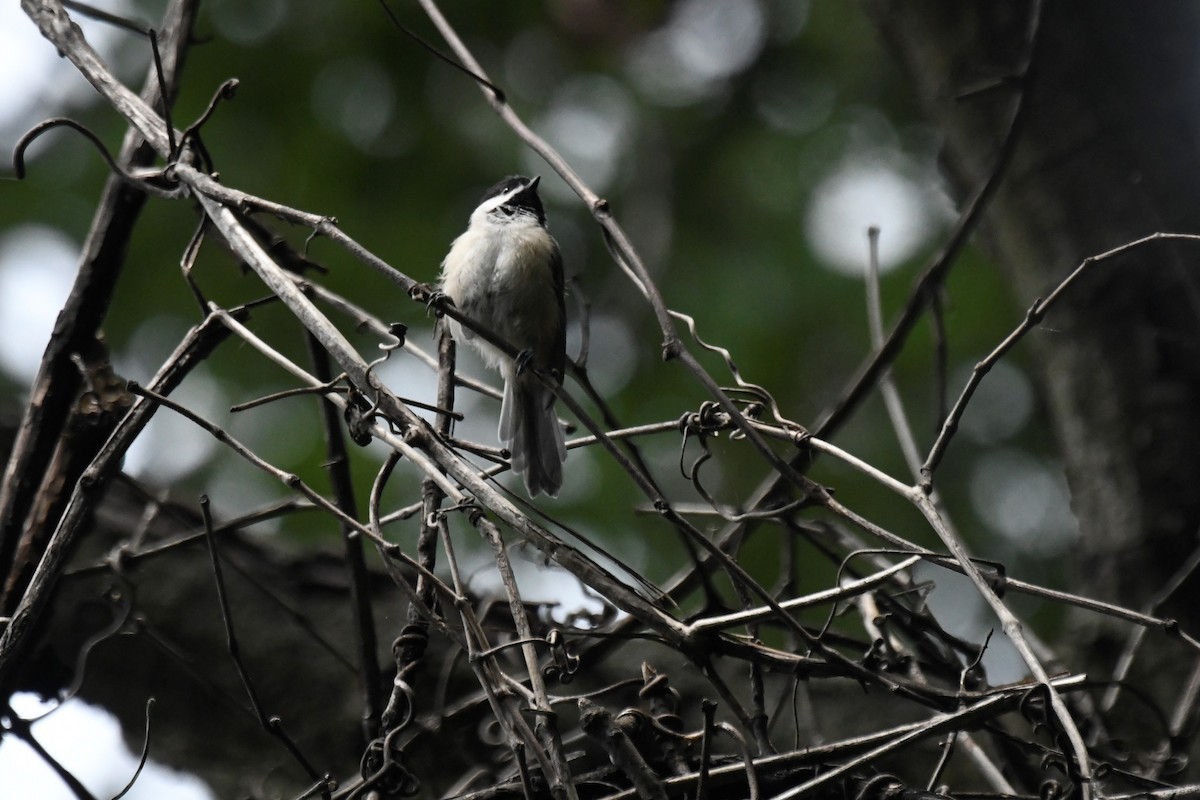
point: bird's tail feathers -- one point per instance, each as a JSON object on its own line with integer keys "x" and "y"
{"x": 529, "y": 429}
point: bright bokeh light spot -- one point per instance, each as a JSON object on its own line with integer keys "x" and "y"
{"x": 868, "y": 192}
{"x": 246, "y": 23}
{"x": 581, "y": 475}
{"x": 37, "y": 267}
{"x": 1024, "y": 500}
{"x": 87, "y": 741}
{"x": 534, "y": 64}
{"x": 355, "y": 97}
{"x": 612, "y": 352}
{"x": 238, "y": 488}
{"x": 1000, "y": 407}
{"x": 717, "y": 39}
{"x": 702, "y": 44}
{"x": 591, "y": 120}
{"x": 788, "y": 18}
{"x": 790, "y": 105}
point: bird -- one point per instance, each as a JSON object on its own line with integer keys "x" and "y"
{"x": 505, "y": 272}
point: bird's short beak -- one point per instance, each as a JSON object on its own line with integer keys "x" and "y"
{"x": 533, "y": 183}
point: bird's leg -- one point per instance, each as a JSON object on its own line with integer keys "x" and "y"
{"x": 436, "y": 300}
{"x": 524, "y": 358}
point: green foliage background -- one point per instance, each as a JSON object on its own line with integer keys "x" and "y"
{"x": 713, "y": 194}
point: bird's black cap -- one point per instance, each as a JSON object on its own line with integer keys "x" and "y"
{"x": 525, "y": 199}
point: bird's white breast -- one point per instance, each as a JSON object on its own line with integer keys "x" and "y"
{"x": 500, "y": 274}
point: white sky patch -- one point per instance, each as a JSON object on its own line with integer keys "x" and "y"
{"x": 864, "y": 192}
{"x": 171, "y": 446}
{"x": 956, "y": 604}
{"x": 37, "y": 82}
{"x": 37, "y": 268}
{"x": 481, "y": 414}
{"x": 87, "y": 741}
{"x": 24, "y": 53}
{"x": 702, "y": 44}
{"x": 412, "y": 379}
{"x": 544, "y": 583}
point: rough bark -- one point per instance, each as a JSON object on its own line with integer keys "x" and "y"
{"x": 1108, "y": 155}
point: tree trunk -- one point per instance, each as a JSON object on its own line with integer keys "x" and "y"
{"x": 1108, "y": 154}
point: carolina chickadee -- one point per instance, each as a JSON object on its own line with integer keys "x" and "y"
{"x": 505, "y": 272}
